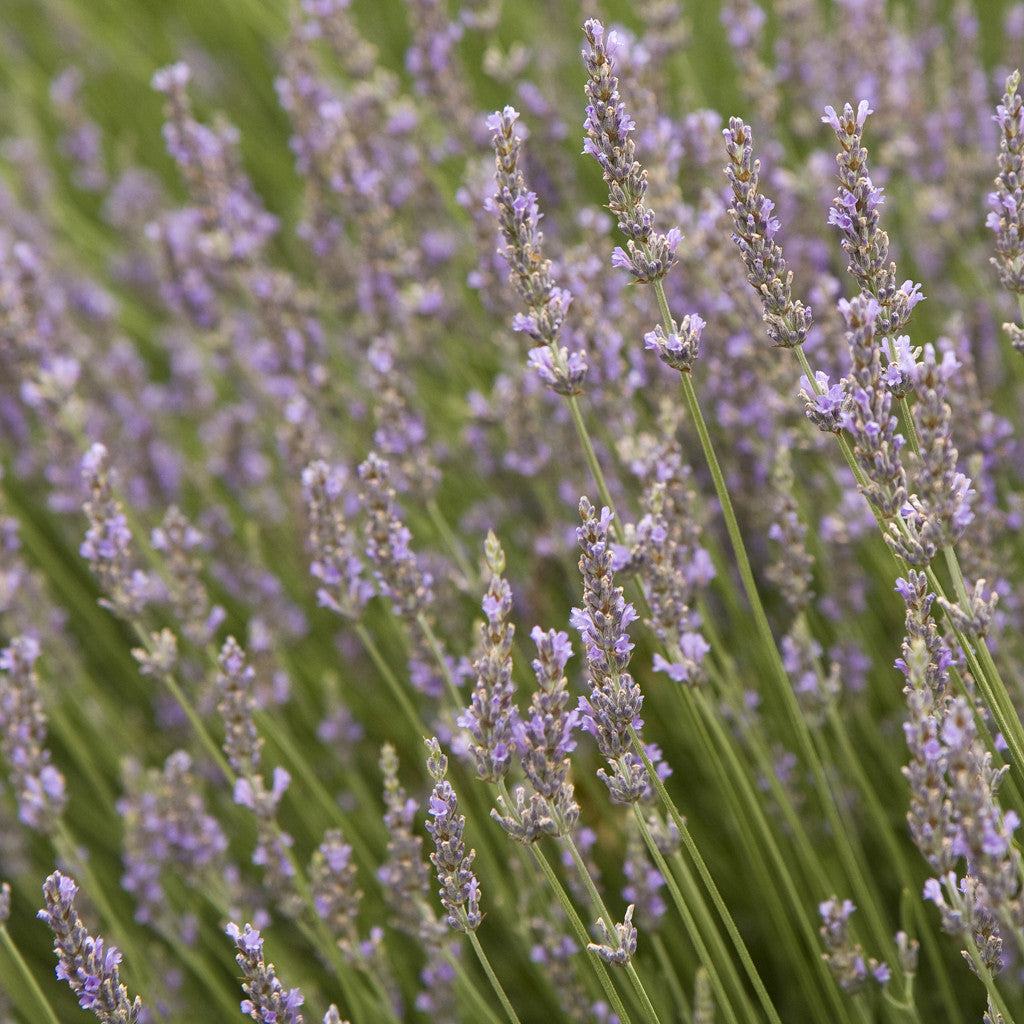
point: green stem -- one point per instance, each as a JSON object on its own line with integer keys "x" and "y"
{"x": 28, "y": 986}
{"x": 492, "y": 977}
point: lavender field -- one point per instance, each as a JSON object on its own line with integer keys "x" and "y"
{"x": 511, "y": 512}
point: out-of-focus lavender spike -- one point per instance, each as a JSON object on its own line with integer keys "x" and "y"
{"x": 491, "y": 717}
{"x": 237, "y": 704}
{"x": 176, "y": 538}
{"x": 1007, "y": 201}
{"x": 267, "y": 999}
{"x": 107, "y": 544}
{"x": 38, "y": 785}
{"x": 82, "y": 139}
{"x": 168, "y": 833}
{"x": 846, "y": 961}
{"x": 336, "y": 563}
{"x": 87, "y": 964}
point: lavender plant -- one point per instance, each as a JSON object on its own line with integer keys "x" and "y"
{"x": 306, "y": 423}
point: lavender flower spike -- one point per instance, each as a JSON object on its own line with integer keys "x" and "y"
{"x": 87, "y": 964}
{"x": 491, "y": 716}
{"x": 1007, "y": 202}
{"x": 38, "y": 784}
{"x": 530, "y": 273}
{"x": 855, "y": 212}
{"x": 648, "y": 256}
{"x": 787, "y": 321}
{"x": 615, "y": 699}
{"x": 460, "y": 891}
{"x": 267, "y": 1000}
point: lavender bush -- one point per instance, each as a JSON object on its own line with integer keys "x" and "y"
{"x": 512, "y": 514}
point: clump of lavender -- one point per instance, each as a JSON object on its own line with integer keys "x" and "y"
{"x": 544, "y": 738}
{"x": 107, "y": 544}
{"x": 786, "y": 321}
{"x": 491, "y": 718}
{"x": 613, "y": 708}
{"x": 87, "y": 964}
{"x": 460, "y": 891}
{"x": 529, "y": 270}
{"x": 336, "y": 561}
{"x": 845, "y": 959}
{"x": 1007, "y": 201}
{"x": 242, "y": 745}
{"x": 38, "y": 784}
{"x": 267, "y": 1000}
{"x": 867, "y": 414}
{"x": 648, "y": 256}
{"x": 855, "y": 212}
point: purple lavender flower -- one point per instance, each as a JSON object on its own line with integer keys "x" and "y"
{"x": 460, "y": 891}
{"x": 939, "y": 507}
{"x": 167, "y": 831}
{"x": 336, "y": 899}
{"x": 681, "y": 347}
{"x": 529, "y": 271}
{"x": 647, "y": 256}
{"x": 38, "y": 785}
{"x": 545, "y": 740}
{"x": 855, "y": 212}
{"x": 237, "y": 704}
{"x": 1007, "y": 201}
{"x": 867, "y": 412}
{"x": 107, "y": 544}
{"x": 787, "y": 322}
{"x": 176, "y": 538}
{"x": 336, "y": 562}
{"x": 87, "y": 964}
{"x": 613, "y": 707}
{"x": 846, "y": 960}
{"x": 491, "y": 717}
{"x": 267, "y": 1001}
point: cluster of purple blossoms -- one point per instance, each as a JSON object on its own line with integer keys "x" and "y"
{"x": 267, "y": 1000}
{"x": 954, "y": 810}
{"x": 177, "y": 539}
{"x": 1007, "y": 201}
{"x": 491, "y": 717}
{"x": 529, "y": 270}
{"x": 398, "y": 573}
{"x": 612, "y": 712}
{"x": 544, "y": 738}
{"x": 237, "y": 704}
{"x": 87, "y": 964}
{"x": 647, "y": 256}
{"x": 168, "y": 831}
{"x": 336, "y": 562}
{"x": 846, "y": 960}
{"x": 867, "y": 411}
{"x": 460, "y": 890}
{"x": 939, "y": 508}
{"x": 855, "y": 212}
{"x": 107, "y": 544}
{"x": 786, "y": 321}
{"x": 38, "y": 785}
{"x": 619, "y": 943}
